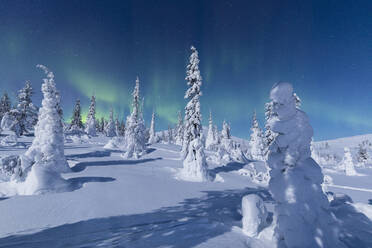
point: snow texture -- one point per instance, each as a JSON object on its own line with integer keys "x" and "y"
{"x": 254, "y": 214}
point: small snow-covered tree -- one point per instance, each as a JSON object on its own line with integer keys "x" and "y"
{"x": 256, "y": 143}
{"x": 110, "y": 126}
{"x": 5, "y": 104}
{"x": 194, "y": 163}
{"x": 170, "y": 135}
{"x": 27, "y": 111}
{"x": 226, "y": 141}
{"x": 45, "y": 159}
{"x": 153, "y": 137}
{"x": 122, "y": 129}
{"x": 117, "y": 126}
{"x": 135, "y": 128}
{"x": 362, "y": 155}
{"x": 302, "y": 214}
{"x": 102, "y": 125}
{"x": 211, "y": 141}
{"x": 347, "y": 164}
{"x": 76, "y": 123}
{"x": 91, "y": 125}
{"x": 179, "y": 129}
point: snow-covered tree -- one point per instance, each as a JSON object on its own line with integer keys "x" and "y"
{"x": 110, "y": 126}
{"x": 170, "y": 137}
{"x": 256, "y": 143}
{"x": 194, "y": 163}
{"x": 211, "y": 141}
{"x": 362, "y": 155}
{"x": 5, "y": 104}
{"x": 117, "y": 126}
{"x": 302, "y": 214}
{"x": 122, "y": 129}
{"x": 226, "y": 140}
{"x": 347, "y": 164}
{"x": 27, "y": 111}
{"x": 179, "y": 129}
{"x": 135, "y": 128}
{"x": 269, "y": 135}
{"x": 153, "y": 137}
{"x": 76, "y": 123}
{"x": 297, "y": 100}
{"x": 45, "y": 159}
{"x": 102, "y": 125}
{"x": 91, "y": 125}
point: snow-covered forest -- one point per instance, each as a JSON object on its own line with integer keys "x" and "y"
{"x": 125, "y": 183}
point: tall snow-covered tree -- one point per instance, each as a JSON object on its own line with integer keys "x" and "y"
{"x": 194, "y": 163}
{"x": 153, "y": 137}
{"x": 256, "y": 143}
{"x": 170, "y": 135}
{"x": 179, "y": 129}
{"x": 27, "y": 111}
{"x": 5, "y": 104}
{"x": 110, "y": 126}
{"x": 91, "y": 125}
{"x": 45, "y": 159}
{"x": 76, "y": 122}
{"x": 302, "y": 214}
{"x": 211, "y": 141}
{"x": 135, "y": 128}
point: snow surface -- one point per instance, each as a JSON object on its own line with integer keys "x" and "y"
{"x": 115, "y": 202}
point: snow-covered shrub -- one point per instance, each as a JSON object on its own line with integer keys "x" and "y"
{"x": 10, "y": 139}
{"x": 45, "y": 157}
{"x": 256, "y": 142}
{"x": 302, "y": 211}
{"x": 254, "y": 214}
{"x": 117, "y": 142}
{"x": 10, "y": 168}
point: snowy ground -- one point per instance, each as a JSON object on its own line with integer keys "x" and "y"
{"x": 140, "y": 203}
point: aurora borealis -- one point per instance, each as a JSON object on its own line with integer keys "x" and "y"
{"x": 323, "y": 47}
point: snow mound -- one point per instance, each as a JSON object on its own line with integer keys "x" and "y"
{"x": 254, "y": 215}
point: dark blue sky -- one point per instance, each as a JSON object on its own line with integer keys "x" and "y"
{"x": 324, "y": 48}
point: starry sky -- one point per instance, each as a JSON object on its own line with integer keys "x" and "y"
{"x": 323, "y": 47}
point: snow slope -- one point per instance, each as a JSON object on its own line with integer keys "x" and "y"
{"x": 139, "y": 203}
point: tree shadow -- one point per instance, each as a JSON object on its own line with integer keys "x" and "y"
{"x": 96, "y": 154}
{"x": 82, "y": 165}
{"x": 78, "y": 182}
{"x": 187, "y": 224}
{"x": 232, "y": 166}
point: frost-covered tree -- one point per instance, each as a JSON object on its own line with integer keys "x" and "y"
{"x": 297, "y": 100}
{"x": 226, "y": 140}
{"x": 76, "y": 122}
{"x": 91, "y": 125}
{"x": 122, "y": 129}
{"x": 45, "y": 159}
{"x": 256, "y": 143}
{"x": 347, "y": 164}
{"x": 362, "y": 155}
{"x": 102, "y": 125}
{"x": 5, "y": 104}
{"x": 179, "y": 129}
{"x": 170, "y": 137}
{"x": 26, "y": 109}
{"x": 153, "y": 137}
{"x": 302, "y": 214}
{"x": 194, "y": 163}
{"x": 117, "y": 126}
{"x": 110, "y": 126}
{"x": 135, "y": 128}
{"x": 269, "y": 135}
{"x": 211, "y": 141}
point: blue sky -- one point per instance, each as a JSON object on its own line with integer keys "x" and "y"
{"x": 324, "y": 48}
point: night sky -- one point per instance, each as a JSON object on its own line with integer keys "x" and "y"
{"x": 324, "y": 48}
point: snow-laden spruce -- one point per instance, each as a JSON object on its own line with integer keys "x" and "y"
{"x": 153, "y": 137}
{"x": 45, "y": 159}
{"x": 302, "y": 211}
{"x": 110, "y": 125}
{"x": 211, "y": 142}
{"x": 5, "y": 105}
{"x": 256, "y": 142}
{"x": 91, "y": 125}
{"x": 135, "y": 141}
{"x": 194, "y": 161}
{"x": 27, "y": 110}
{"x": 362, "y": 155}
{"x": 347, "y": 164}
{"x": 76, "y": 126}
{"x": 179, "y": 130}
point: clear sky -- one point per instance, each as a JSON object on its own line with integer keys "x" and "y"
{"x": 324, "y": 48}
